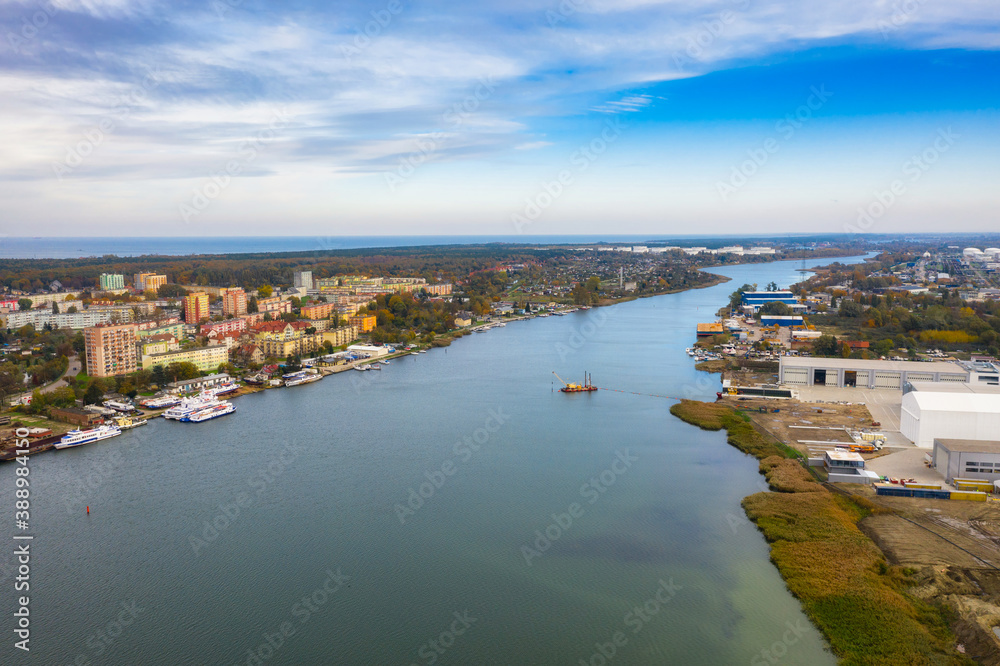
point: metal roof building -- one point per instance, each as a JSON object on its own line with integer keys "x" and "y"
{"x": 865, "y": 373}
{"x": 928, "y": 416}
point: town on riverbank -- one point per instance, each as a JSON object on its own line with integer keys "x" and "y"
{"x": 91, "y": 348}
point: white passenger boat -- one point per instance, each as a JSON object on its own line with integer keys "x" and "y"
{"x": 81, "y": 437}
{"x": 212, "y": 412}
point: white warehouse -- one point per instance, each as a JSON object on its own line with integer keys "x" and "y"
{"x": 928, "y": 415}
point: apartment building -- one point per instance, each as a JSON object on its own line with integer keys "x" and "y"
{"x": 110, "y": 349}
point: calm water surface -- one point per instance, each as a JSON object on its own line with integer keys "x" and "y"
{"x": 287, "y": 533}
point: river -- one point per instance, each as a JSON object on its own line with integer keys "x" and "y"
{"x": 452, "y": 508}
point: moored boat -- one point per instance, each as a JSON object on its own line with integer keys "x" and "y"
{"x": 211, "y": 412}
{"x": 129, "y": 422}
{"x": 81, "y": 437}
{"x": 302, "y": 377}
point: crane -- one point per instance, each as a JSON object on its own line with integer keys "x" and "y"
{"x": 576, "y": 388}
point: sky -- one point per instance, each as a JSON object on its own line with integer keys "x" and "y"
{"x": 239, "y": 117}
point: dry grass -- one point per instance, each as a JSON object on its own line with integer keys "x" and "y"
{"x": 839, "y": 575}
{"x": 788, "y": 476}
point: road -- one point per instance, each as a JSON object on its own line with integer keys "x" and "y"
{"x": 72, "y": 369}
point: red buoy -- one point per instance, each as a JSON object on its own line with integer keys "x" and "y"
{"x": 88, "y": 510}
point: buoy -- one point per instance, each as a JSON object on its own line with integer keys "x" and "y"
{"x": 88, "y": 510}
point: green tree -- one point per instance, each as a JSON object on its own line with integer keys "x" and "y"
{"x": 775, "y": 308}
{"x": 252, "y": 305}
{"x": 826, "y": 345}
{"x": 24, "y": 303}
{"x": 55, "y": 308}
{"x": 94, "y": 393}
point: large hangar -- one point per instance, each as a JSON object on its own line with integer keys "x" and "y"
{"x": 862, "y": 373}
{"x": 927, "y": 415}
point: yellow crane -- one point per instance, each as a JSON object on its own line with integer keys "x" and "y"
{"x": 576, "y": 388}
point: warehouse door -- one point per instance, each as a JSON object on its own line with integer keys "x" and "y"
{"x": 851, "y": 378}
{"x": 920, "y": 376}
{"x": 819, "y": 377}
{"x": 796, "y": 376}
{"x": 954, "y": 378}
{"x": 887, "y": 380}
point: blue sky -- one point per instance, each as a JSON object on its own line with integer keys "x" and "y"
{"x": 581, "y": 116}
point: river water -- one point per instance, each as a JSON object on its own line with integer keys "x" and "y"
{"x": 452, "y": 508}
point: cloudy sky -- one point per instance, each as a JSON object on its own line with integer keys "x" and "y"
{"x": 220, "y": 117}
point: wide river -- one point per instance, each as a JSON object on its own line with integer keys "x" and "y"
{"x": 452, "y": 508}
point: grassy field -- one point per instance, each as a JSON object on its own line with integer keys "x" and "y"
{"x": 838, "y": 574}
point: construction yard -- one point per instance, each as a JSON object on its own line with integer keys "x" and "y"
{"x": 952, "y": 551}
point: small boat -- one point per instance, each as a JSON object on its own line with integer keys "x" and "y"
{"x": 161, "y": 402}
{"x": 384, "y": 362}
{"x": 224, "y": 389}
{"x": 129, "y": 422}
{"x": 362, "y": 368}
{"x": 423, "y": 351}
{"x": 119, "y": 406}
{"x": 302, "y": 377}
{"x": 81, "y": 437}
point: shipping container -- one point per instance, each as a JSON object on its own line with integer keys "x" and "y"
{"x": 969, "y": 496}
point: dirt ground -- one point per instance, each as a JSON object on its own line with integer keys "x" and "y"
{"x": 954, "y": 549}
{"x": 815, "y": 422}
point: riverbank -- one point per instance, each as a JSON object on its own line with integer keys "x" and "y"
{"x": 854, "y": 597}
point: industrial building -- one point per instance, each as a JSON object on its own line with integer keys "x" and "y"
{"x": 865, "y": 373}
{"x": 967, "y": 459}
{"x": 927, "y": 416}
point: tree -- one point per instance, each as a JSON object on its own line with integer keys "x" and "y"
{"x": 94, "y": 393}
{"x": 845, "y": 350}
{"x": 159, "y": 375}
{"x": 265, "y": 291}
{"x": 826, "y": 345}
{"x": 772, "y": 286}
{"x": 24, "y": 303}
{"x": 72, "y": 309}
{"x": 849, "y": 308}
{"x": 252, "y": 305}
{"x": 775, "y": 308}
{"x": 55, "y": 308}
{"x": 736, "y": 298}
